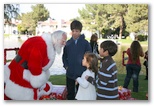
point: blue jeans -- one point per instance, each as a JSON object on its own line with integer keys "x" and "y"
{"x": 133, "y": 71}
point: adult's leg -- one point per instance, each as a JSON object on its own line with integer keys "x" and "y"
{"x": 136, "y": 71}
{"x": 128, "y": 76}
{"x": 146, "y": 78}
{"x": 70, "y": 83}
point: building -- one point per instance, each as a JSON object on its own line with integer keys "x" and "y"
{"x": 52, "y": 25}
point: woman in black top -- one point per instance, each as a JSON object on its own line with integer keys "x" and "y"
{"x": 94, "y": 45}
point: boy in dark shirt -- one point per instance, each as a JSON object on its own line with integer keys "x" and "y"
{"x": 73, "y": 54}
{"x": 106, "y": 83}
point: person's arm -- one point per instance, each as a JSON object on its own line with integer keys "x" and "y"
{"x": 106, "y": 72}
{"x": 88, "y": 47}
{"x": 142, "y": 53}
{"x": 91, "y": 80}
{"x": 64, "y": 58}
{"x": 82, "y": 82}
{"x": 97, "y": 49}
{"x": 38, "y": 77}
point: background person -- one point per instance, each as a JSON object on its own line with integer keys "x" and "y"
{"x": 146, "y": 64}
{"x": 133, "y": 66}
{"x": 94, "y": 44}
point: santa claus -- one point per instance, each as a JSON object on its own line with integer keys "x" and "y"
{"x": 26, "y": 77}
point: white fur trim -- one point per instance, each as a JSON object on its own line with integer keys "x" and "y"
{"x": 36, "y": 81}
{"x": 6, "y": 73}
{"x": 45, "y": 68}
{"x": 17, "y": 92}
{"x": 50, "y": 50}
{"x": 43, "y": 92}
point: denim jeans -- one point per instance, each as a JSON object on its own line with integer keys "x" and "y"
{"x": 133, "y": 71}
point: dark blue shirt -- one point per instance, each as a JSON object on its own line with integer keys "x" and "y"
{"x": 73, "y": 55}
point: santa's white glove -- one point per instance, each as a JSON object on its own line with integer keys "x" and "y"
{"x": 46, "y": 89}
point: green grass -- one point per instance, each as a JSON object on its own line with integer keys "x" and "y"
{"x": 6, "y": 35}
{"x": 129, "y": 41}
{"x": 143, "y": 84}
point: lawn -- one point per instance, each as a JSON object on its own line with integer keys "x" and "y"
{"x": 141, "y": 95}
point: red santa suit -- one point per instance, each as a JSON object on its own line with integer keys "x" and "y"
{"x": 29, "y": 71}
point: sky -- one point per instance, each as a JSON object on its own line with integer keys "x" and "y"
{"x": 64, "y": 11}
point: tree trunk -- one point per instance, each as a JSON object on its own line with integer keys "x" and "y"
{"x": 121, "y": 27}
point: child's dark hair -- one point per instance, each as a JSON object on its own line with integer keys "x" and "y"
{"x": 76, "y": 25}
{"x": 92, "y": 60}
{"x": 110, "y": 46}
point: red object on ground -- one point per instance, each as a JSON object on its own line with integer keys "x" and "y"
{"x": 59, "y": 92}
{"x": 124, "y": 94}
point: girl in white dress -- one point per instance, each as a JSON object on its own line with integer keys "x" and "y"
{"x": 86, "y": 90}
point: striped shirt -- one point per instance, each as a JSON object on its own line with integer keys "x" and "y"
{"x": 106, "y": 83}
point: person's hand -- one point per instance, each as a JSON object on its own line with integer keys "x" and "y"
{"x": 76, "y": 82}
{"x": 86, "y": 77}
{"x": 46, "y": 89}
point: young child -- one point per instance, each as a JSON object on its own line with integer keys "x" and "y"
{"x": 106, "y": 83}
{"x": 86, "y": 90}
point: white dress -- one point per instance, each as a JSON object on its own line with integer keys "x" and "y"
{"x": 86, "y": 90}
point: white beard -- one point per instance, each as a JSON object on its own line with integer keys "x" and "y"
{"x": 58, "y": 48}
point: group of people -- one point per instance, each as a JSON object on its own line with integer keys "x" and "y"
{"x": 26, "y": 77}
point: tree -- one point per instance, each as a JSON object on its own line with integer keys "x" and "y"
{"x": 103, "y": 17}
{"x": 137, "y": 18}
{"x": 10, "y": 11}
{"x": 40, "y": 13}
{"x": 30, "y": 19}
{"x": 116, "y": 17}
{"x": 94, "y": 17}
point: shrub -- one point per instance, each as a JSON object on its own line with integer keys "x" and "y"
{"x": 142, "y": 37}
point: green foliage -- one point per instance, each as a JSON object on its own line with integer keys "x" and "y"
{"x": 10, "y": 11}
{"x": 5, "y": 35}
{"x": 142, "y": 37}
{"x": 30, "y": 19}
{"x": 40, "y": 13}
{"x": 137, "y": 17}
{"x": 127, "y": 17}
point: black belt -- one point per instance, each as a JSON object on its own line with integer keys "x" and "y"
{"x": 18, "y": 58}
